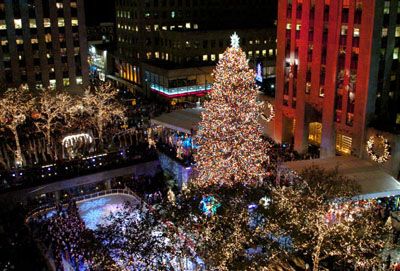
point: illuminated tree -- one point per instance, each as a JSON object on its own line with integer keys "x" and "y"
{"x": 231, "y": 149}
{"x": 15, "y": 106}
{"x": 141, "y": 241}
{"x": 102, "y": 108}
{"x": 53, "y": 110}
{"x": 319, "y": 220}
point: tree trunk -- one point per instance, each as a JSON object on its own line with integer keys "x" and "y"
{"x": 316, "y": 253}
{"x": 100, "y": 132}
{"x": 19, "y": 161}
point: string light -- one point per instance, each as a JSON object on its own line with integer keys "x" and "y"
{"x": 231, "y": 148}
{"x": 371, "y": 143}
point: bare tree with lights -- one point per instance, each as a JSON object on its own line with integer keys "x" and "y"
{"x": 319, "y": 220}
{"x": 15, "y": 106}
{"x": 231, "y": 149}
{"x": 53, "y": 110}
{"x": 141, "y": 241}
{"x": 102, "y": 108}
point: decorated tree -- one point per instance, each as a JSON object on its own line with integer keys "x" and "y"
{"x": 231, "y": 149}
{"x": 15, "y": 106}
{"x": 318, "y": 218}
{"x": 102, "y": 108}
{"x": 53, "y": 109}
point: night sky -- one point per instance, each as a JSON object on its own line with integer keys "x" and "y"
{"x": 99, "y": 11}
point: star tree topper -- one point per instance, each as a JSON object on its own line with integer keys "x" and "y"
{"x": 235, "y": 41}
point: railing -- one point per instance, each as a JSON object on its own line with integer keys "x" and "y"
{"x": 51, "y": 206}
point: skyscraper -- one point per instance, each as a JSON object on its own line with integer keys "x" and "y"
{"x": 337, "y": 72}
{"x": 43, "y": 43}
{"x": 173, "y": 45}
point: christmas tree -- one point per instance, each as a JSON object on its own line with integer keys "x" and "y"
{"x": 231, "y": 148}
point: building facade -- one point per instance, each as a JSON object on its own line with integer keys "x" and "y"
{"x": 337, "y": 72}
{"x": 43, "y": 44}
{"x": 189, "y": 33}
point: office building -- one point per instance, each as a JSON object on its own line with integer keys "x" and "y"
{"x": 43, "y": 44}
{"x": 159, "y": 41}
{"x": 337, "y": 74}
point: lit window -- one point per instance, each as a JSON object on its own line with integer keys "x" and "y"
{"x": 156, "y": 27}
{"x": 73, "y": 4}
{"x": 213, "y": 57}
{"x": 298, "y": 26}
{"x": 384, "y": 32}
{"x": 356, "y": 32}
{"x": 386, "y": 9}
{"x": 250, "y": 53}
{"x": 17, "y": 23}
{"x": 195, "y": 26}
{"x": 59, "y": 5}
{"x": 187, "y": 25}
{"x": 46, "y": 22}
{"x": 264, "y": 52}
{"x": 20, "y": 41}
{"x": 4, "y": 42}
{"x": 396, "y": 53}
{"x": 147, "y": 15}
{"x": 164, "y": 27}
{"x": 288, "y": 26}
{"x": 321, "y": 91}
{"x": 148, "y": 55}
{"x": 74, "y": 22}
{"x": 34, "y": 41}
{"x": 66, "y": 82}
{"x": 271, "y": 52}
{"x": 397, "y": 31}
{"x": 32, "y": 23}
{"x": 250, "y": 42}
{"x": 257, "y": 52}
{"x": 3, "y": 25}
{"x": 172, "y": 14}
{"x": 172, "y": 27}
{"x": 61, "y": 22}
{"x": 157, "y": 54}
{"x": 343, "y": 30}
{"x": 205, "y": 57}
{"x": 220, "y": 56}
{"x": 166, "y": 56}
{"x": 148, "y": 27}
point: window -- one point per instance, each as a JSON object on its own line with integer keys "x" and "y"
{"x": 32, "y": 23}
{"x": 17, "y": 23}
{"x": 60, "y": 22}
{"x": 396, "y": 53}
{"x": 74, "y": 22}
{"x": 213, "y": 57}
{"x": 386, "y": 8}
{"x": 315, "y": 133}
{"x": 343, "y": 144}
{"x": 205, "y": 57}
{"x": 384, "y": 32}
{"x": 288, "y": 26}
{"x": 59, "y": 5}
{"x": 356, "y": 32}
{"x": 271, "y": 52}
{"x": 3, "y": 25}
{"x": 172, "y": 14}
{"x": 343, "y": 30}
{"x": 397, "y": 31}
{"x": 187, "y": 25}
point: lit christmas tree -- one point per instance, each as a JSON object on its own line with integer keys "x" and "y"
{"x": 231, "y": 149}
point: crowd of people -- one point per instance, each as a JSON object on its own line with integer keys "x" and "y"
{"x": 71, "y": 245}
